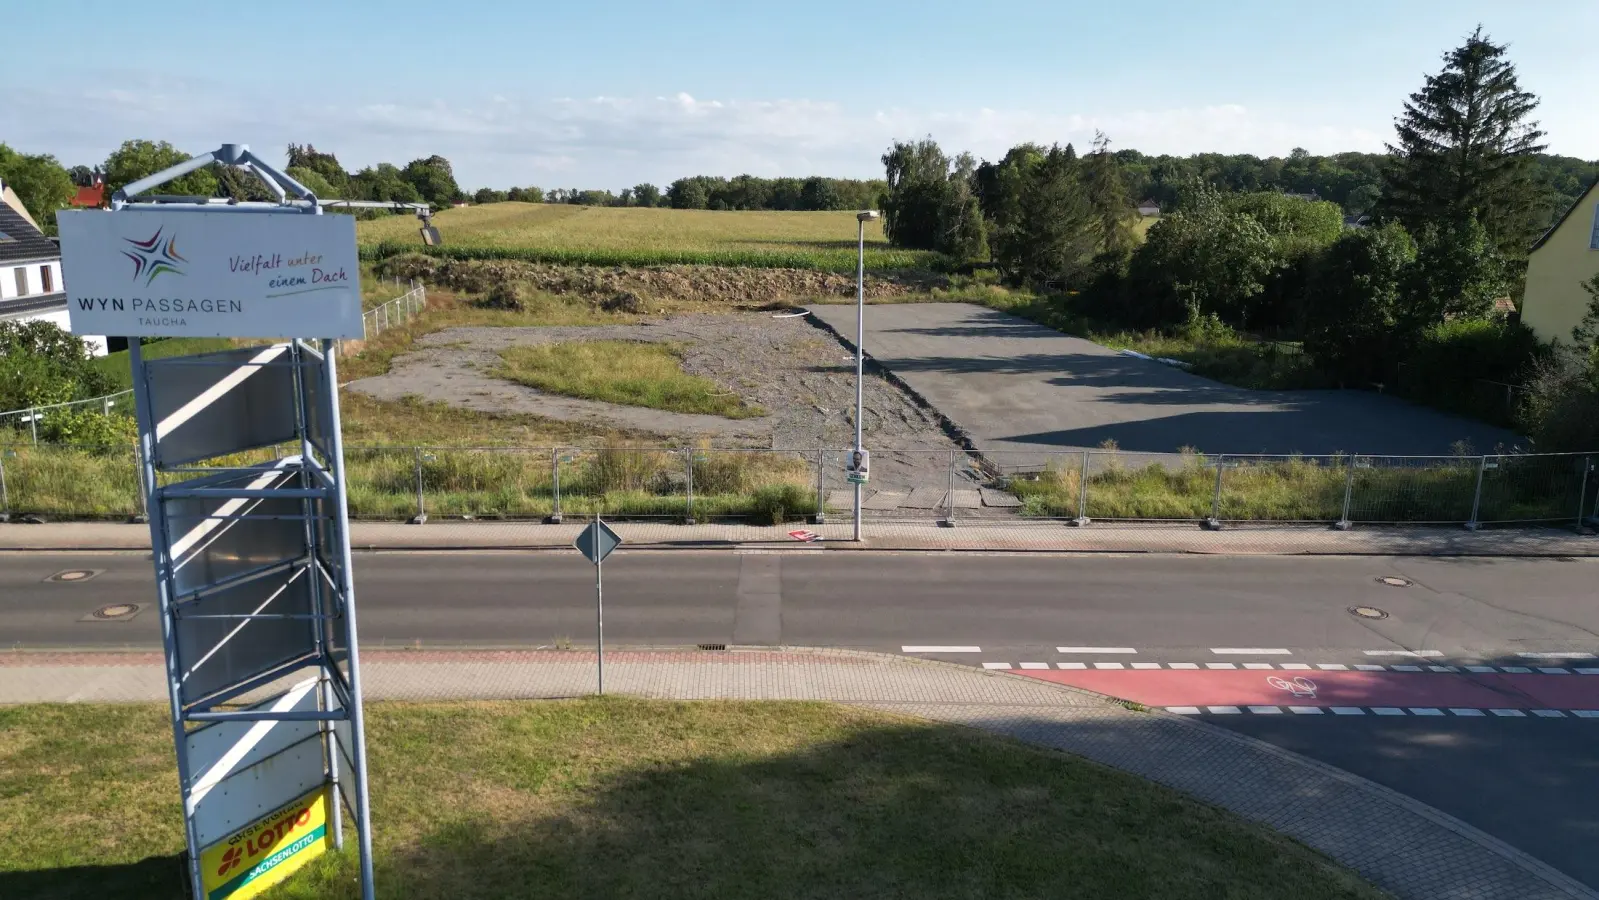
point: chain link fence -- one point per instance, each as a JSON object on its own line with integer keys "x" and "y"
{"x": 948, "y": 486}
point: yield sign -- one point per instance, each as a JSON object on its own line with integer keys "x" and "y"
{"x": 597, "y": 541}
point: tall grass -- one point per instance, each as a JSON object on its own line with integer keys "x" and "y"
{"x": 631, "y": 373}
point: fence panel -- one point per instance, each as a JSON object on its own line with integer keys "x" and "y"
{"x": 1032, "y": 485}
{"x": 487, "y": 482}
{"x": 1534, "y": 488}
{"x": 1291, "y": 488}
{"x": 68, "y": 482}
{"x": 1413, "y": 489}
{"x": 35, "y": 424}
{"x": 624, "y": 482}
{"x": 1149, "y": 486}
{"x": 764, "y": 487}
{"x": 905, "y": 485}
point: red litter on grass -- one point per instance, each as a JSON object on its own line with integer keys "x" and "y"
{"x": 805, "y": 536}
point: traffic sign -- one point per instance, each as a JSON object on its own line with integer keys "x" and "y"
{"x": 597, "y": 541}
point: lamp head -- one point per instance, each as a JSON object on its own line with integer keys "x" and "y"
{"x": 867, "y": 215}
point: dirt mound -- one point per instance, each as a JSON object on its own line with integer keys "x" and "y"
{"x": 626, "y": 287}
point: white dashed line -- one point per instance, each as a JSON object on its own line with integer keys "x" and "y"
{"x": 1296, "y": 667}
{"x": 1481, "y": 669}
{"x": 929, "y": 648}
{"x": 1184, "y": 665}
{"x": 1266, "y": 710}
{"x": 1512, "y": 713}
{"x": 1146, "y": 665}
{"x": 1588, "y": 671}
{"x": 1387, "y": 711}
{"x": 996, "y": 665}
{"x": 1554, "y": 671}
{"x": 1221, "y": 665}
{"x": 1332, "y": 667}
{"x": 1072, "y": 665}
{"x": 1442, "y": 669}
{"x": 1516, "y": 670}
{"x": 1035, "y": 665}
{"x": 1549, "y": 714}
{"x": 1258, "y": 666}
{"x": 1184, "y": 710}
{"x": 1419, "y": 711}
{"x": 1305, "y": 710}
{"x": 1426, "y": 711}
{"x": 1586, "y": 713}
{"x": 1251, "y": 651}
{"x": 1109, "y": 666}
{"x": 1467, "y": 712}
{"x": 1095, "y": 650}
{"x": 1419, "y": 654}
{"x": 1557, "y": 654}
{"x": 1404, "y": 668}
{"x": 1225, "y": 710}
{"x": 1348, "y": 711}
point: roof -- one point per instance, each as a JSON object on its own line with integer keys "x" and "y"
{"x": 91, "y": 196}
{"x": 33, "y": 304}
{"x": 21, "y": 241}
{"x": 1566, "y": 215}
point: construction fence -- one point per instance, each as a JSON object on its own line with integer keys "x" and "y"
{"x": 57, "y": 482}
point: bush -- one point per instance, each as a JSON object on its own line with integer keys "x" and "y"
{"x": 88, "y": 428}
{"x": 779, "y": 503}
{"x": 1454, "y": 363}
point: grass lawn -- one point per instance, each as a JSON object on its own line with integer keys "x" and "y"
{"x": 632, "y": 373}
{"x": 630, "y": 235}
{"x": 629, "y": 798}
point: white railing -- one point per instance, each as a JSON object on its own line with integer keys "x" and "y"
{"x": 395, "y": 312}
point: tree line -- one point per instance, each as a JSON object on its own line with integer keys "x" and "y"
{"x": 1264, "y": 245}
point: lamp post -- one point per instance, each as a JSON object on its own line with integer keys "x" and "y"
{"x": 861, "y": 218}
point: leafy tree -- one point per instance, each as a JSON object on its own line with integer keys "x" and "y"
{"x": 489, "y": 195}
{"x": 918, "y": 184}
{"x": 40, "y": 364}
{"x": 141, "y": 158}
{"x": 962, "y": 231}
{"x": 646, "y": 194}
{"x": 1107, "y": 193}
{"x": 1047, "y": 225}
{"x": 820, "y": 193}
{"x": 314, "y": 182}
{"x": 1356, "y": 328}
{"x": 238, "y": 184}
{"x": 81, "y": 175}
{"x": 688, "y": 193}
{"x": 1204, "y": 260}
{"x": 324, "y": 164}
{"x": 384, "y": 181}
{"x": 525, "y": 195}
{"x": 1458, "y": 273}
{"x": 40, "y": 182}
{"x": 1363, "y": 199}
{"x": 1465, "y": 149}
{"x": 433, "y": 179}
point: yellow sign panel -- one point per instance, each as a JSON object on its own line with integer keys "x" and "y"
{"x": 264, "y": 853}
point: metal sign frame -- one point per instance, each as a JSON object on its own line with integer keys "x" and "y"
{"x": 260, "y": 549}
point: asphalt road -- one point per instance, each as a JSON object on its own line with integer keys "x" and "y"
{"x": 1016, "y": 386}
{"x": 1521, "y": 779}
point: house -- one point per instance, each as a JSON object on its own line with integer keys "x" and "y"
{"x": 91, "y": 195}
{"x": 1566, "y": 256}
{"x": 30, "y": 270}
{"x": 1149, "y": 208}
{"x": 1357, "y": 221}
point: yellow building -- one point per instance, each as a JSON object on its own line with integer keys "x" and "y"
{"x": 1565, "y": 257}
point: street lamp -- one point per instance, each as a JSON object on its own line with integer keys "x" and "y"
{"x": 858, "y": 470}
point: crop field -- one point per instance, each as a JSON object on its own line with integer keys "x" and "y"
{"x": 559, "y": 233}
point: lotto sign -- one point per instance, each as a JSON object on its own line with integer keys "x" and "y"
{"x": 268, "y": 851}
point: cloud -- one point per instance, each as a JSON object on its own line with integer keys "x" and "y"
{"x": 608, "y": 141}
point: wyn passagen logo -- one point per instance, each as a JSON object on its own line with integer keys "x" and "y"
{"x": 155, "y": 256}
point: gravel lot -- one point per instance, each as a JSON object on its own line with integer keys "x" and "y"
{"x": 794, "y": 370}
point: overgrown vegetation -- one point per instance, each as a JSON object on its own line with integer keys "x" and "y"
{"x": 613, "y": 797}
{"x": 630, "y": 373}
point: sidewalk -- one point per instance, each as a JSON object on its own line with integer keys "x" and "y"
{"x": 1399, "y": 844}
{"x": 1030, "y": 537}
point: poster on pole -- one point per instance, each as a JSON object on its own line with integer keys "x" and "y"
{"x": 171, "y": 273}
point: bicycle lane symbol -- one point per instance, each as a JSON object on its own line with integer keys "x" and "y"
{"x": 1299, "y": 686}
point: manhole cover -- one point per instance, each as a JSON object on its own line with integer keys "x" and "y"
{"x": 1394, "y": 581}
{"x": 1368, "y": 612}
{"x": 73, "y": 576}
{"x": 115, "y": 611}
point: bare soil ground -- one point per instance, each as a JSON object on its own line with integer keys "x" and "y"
{"x": 794, "y": 370}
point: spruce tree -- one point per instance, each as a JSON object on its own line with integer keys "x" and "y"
{"x": 1465, "y": 148}
{"x": 1107, "y": 193}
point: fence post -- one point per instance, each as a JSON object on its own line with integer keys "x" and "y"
{"x": 421, "y": 517}
{"x": 1082, "y": 492}
{"x": 5, "y": 499}
{"x": 821, "y": 487}
{"x": 1476, "y": 498}
{"x": 555, "y": 481}
{"x": 142, "y": 517}
{"x": 1214, "y": 522}
{"x": 1343, "y": 522}
{"x": 33, "y": 424}
{"x": 688, "y": 483}
{"x": 949, "y": 498}
{"x": 1582, "y": 491}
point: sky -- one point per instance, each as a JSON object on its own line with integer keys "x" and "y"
{"x": 608, "y": 94}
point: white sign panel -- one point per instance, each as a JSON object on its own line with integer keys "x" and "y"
{"x": 169, "y": 273}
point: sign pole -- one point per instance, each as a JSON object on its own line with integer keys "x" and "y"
{"x": 599, "y": 607}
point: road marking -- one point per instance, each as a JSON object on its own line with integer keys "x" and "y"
{"x": 1549, "y": 714}
{"x": 1348, "y": 711}
{"x": 1387, "y": 710}
{"x": 1588, "y": 671}
{"x": 1419, "y": 654}
{"x": 1467, "y": 712}
{"x": 1404, "y": 668}
{"x": 1442, "y": 669}
{"x": 1426, "y": 711}
{"x": 1225, "y": 710}
{"x": 1553, "y": 671}
{"x": 1516, "y": 670}
{"x": 1070, "y": 665}
{"x": 1184, "y": 666}
{"x": 1184, "y": 710}
{"x": 1557, "y": 654}
{"x": 1221, "y": 665}
{"x": 1298, "y": 667}
{"x": 1251, "y": 651}
{"x": 930, "y": 648}
{"x": 1095, "y": 650}
{"x": 1258, "y": 666}
{"x": 996, "y": 665}
{"x": 1035, "y": 665}
{"x": 1507, "y": 712}
{"x": 1368, "y": 667}
{"x": 1266, "y": 710}
{"x": 1332, "y": 667}
{"x": 1306, "y": 710}
{"x": 1109, "y": 666}
{"x": 1480, "y": 669}
{"x": 1146, "y": 665}
{"x": 1586, "y": 713}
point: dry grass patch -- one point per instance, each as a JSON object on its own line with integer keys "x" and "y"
{"x": 630, "y": 373}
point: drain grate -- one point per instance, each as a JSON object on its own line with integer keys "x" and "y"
{"x": 1395, "y": 581}
{"x": 712, "y": 646}
{"x": 1368, "y": 612}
